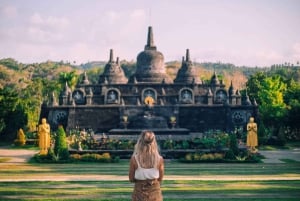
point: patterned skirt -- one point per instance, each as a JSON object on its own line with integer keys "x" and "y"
{"x": 147, "y": 190}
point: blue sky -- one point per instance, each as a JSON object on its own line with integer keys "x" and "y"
{"x": 242, "y": 32}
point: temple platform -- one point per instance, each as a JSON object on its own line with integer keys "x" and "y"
{"x": 160, "y": 131}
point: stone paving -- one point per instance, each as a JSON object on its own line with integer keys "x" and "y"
{"x": 275, "y": 156}
{"x": 16, "y": 155}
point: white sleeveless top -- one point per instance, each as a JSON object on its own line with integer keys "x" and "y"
{"x": 145, "y": 173}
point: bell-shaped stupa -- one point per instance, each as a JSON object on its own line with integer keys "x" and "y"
{"x": 150, "y": 64}
{"x": 113, "y": 73}
{"x": 187, "y": 73}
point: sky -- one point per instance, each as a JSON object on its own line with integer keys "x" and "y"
{"x": 241, "y": 32}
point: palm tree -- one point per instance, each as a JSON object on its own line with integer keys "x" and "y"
{"x": 69, "y": 77}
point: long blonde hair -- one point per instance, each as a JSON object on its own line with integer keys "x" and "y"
{"x": 146, "y": 150}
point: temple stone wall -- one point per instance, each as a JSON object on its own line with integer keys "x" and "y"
{"x": 149, "y": 98}
{"x": 194, "y": 118}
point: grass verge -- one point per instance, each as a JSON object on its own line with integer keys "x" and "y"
{"x": 172, "y": 190}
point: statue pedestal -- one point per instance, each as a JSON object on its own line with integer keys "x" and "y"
{"x": 173, "y": 123}
{"x": 125, "y": 124}
{"x": 157, "y": 131}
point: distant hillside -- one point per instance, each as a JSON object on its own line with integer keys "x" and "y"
{"x": 225, "y": 71}
{"x": 17, "y": 74}
{"x": 14, "y": 73}
{"x": 93, "y": 64}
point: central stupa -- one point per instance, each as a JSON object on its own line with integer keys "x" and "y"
{"x": 150, "y": 64}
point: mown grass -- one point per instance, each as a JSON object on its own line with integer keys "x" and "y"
{"x": 12, "y": 187}
{"x": 172, "y": 190}
{"x": 120, "y": 190}
{"x": 3, "y": 160}
{"x": 171, "y": 168}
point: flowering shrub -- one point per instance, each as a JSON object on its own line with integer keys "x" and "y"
{"x": 243, "y": 156}
{"x": 75, "y": 156}
{"x": 92, "y": 157}
{"x": 82, "y": 140}
{"x": 203, "y": 157}
{"x": 216, "y": 140}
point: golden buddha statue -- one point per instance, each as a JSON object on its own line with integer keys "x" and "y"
{"x": 252, "y": 135}
{"x": 21, "y": 139}
{"x": 44, "y": 136}
{"x": 149, "y": 101}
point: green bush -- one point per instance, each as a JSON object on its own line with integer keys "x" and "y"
{"x": 233, "y": 144}
{"x": 263, "y": 133}
{"x": 189, "y": 157}
{"x": 61, "y": 146}
{"x": 229, "y": 155}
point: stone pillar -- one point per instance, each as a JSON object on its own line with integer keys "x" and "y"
{"x": 209, "y": 100}
{"x": 89, "y": 96}
{"x": 89, "y": 99}
{"x": 64, "y": 99}
{"x": 209, "y": 97}
{"x": 53, "y": 101}
{"x": 238, "y": 97}
{"x": 238, "y": 100}
{"x": 72, "y": 124}
{"x": 229, "y": 123}
{"x": 232, "y": 100}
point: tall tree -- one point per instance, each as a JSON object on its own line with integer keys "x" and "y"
{"x": 11, "y": 113}
{"x": 254, "y": 84}
{"x": 69, "y": 77}
{"x": 292, "y": 98}
{"x": 272, "y": 107}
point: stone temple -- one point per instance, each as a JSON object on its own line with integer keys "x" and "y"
{"x": 149, "y": 99}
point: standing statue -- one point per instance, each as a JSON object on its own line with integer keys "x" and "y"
{"x": 252, "y": 135}
{"x": 44, "y": 137}
{"x": 21, "y": 139}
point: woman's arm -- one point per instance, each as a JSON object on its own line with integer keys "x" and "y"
{"x": 132, "y": 168}
{"x": 161, "y": 170}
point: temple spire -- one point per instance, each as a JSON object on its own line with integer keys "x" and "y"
{"x": 85, "y": 79}
{"x": 111, "y": 55}
{"x": 187, "y": 55}
{"x": 150, "y": 41}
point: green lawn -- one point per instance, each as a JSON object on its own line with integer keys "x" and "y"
{"x": 202, "y": 181}
{"x": 172, "y": 190}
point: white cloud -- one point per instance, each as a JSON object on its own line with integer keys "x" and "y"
{"x": 111, "y": 17}
{"x": 9, "y": 11}
{"x": 36, "y": 19}
{"x": 86, "y": 31}
{"x": 49, "y": 21}
{"x": 295, "y": 56}
{"x": 268, "y": 57}
{"x": 290, "y": 54}
{"x": 39, "y": 35}
{"x": 47, "y": 29}
{"x": 81, "y": 52}
{"x": 138, "y": 13}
